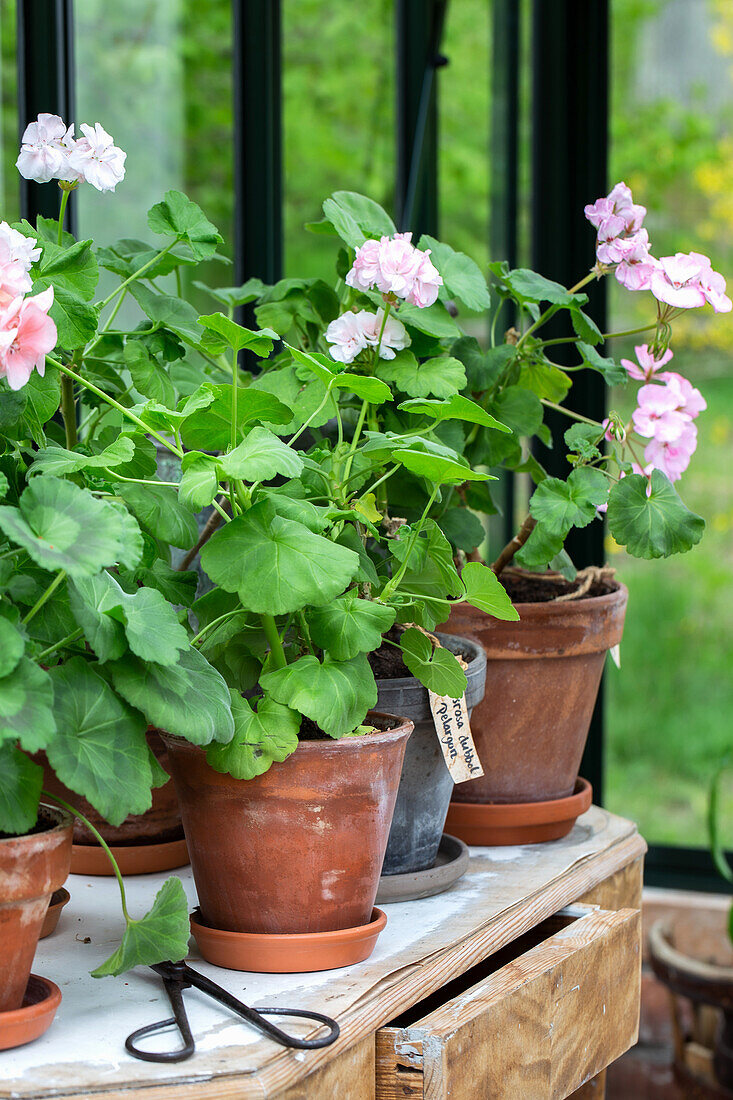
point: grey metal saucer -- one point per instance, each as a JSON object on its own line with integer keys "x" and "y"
{"x": 450, "y": 865}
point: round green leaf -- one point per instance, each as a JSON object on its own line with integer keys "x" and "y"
{"x": 442, "y": 376}
{"x": 20, "y": 790}
{"x": 27, "y": 706}
{"x": 435, "y": 667}
{"x": 438, "y": 470}
{"x": 159, "y": 936}
{"x": 12, "y": 646}
{"x": 209, "y": 429}
{"x": 261, "y": 457}
{"x": 654, "y": 525}
{"x": 157, "y": 507}
{"x": 485, "y": 591}
{"x": 335, "y": 694}
{"x": 260, "y": 737}
{"x": 199, "y": 483}
{"x": 349, "y": 625}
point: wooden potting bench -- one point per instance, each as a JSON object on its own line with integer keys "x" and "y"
{"x": 519, "y": 983}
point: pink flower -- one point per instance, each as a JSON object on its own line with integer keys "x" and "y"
{"x": 27, "y": 335}
{"x": 676, "y": 281}
{"x": 399, "y": 261}
{"x": 365, "y": 269}
{"x": 599, "y": 211}
{"x": 394, "y": 336}
{"x": 611, "y": 247}
{"x": 17, "y": 254}
{"x": 673, "y": 458}
{"x": 45, "y": 148}
{"x": 427, "y": 282}
{"x": 712, "y": 285}
{"x": 658, "y": 414}
{"x": 97, "y": 159}
{"x": 624, "y": 205}
{"x": 636, "y": 267}
{"x": 347, "y": 335}
{"x": 690, "y": 400}
{"x": 649, "y": 367}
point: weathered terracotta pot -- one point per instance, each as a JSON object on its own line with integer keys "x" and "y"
{"x": 32, "y": 866}
{"x": 542, "y": 679}
{"x": 300, "y": 848}
{"x": 158, "y": 825}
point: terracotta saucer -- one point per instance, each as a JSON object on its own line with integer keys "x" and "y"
{"x": 133, "y": 859}
{"x": 450, "y": 865}
{"x": 59, "y": 898}
{"x": 24, "y": 1024}
{"x": 297, "y": 953}
{"x": 492, "y": 823}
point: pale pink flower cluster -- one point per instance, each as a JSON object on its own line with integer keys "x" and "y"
{"x": 668, "y": 405}
{"x": 687, "y": 281}
{"x": 27, "y": 333}
{"x": 352, "y": 333}
{"x": 621, "y": 240}
{"x": 49, "y": 151}
{"x": 395, "y": 267}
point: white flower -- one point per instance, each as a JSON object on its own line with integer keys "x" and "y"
{"x": 346, "y": 333}
{"x": 96, "y": 159}
{"x": 45, "y": 149}
{"x": 17, "y": 254}
{"x": 394, "y": 336}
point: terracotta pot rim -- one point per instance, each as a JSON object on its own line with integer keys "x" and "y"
{"x": 22, "y": 1025}
{"x": 132, "y": 859}
{"x": 339, "y": 744}
{"x": 664, "y": 952}
{"x": 528, "y": 813}
{"x": 63, "y": 820}
{"x": 376, "y": 923}
{"x": 545, "y": 608}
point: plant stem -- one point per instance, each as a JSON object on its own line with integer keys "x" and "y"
{"x": 355, "y": 440}
{"x": 516, "y": 544}
{"x": 379, "y": 482}
{"x": 276, "y": 647}
{"x": 394, "y": 583}
{"x": 212, "y": 524}
{"x": 554, "y": 308}
{"x": 235, "y": 380}
{"x": 45, "y": 596}
{"x": 68, "y": 410}
{"x": 115, "y": 405}
{"x": 57, "y": 645}
{"x": 62, "y": 210}
{"x": 213, "y": 623}
{"x": 304, "y": 630}
{"x": 137, "y": 274}
{"x": 100, "y": 840}
{"x": 570, "y": 413}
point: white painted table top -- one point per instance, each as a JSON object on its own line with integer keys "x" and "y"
{"x": 426, "y": 943}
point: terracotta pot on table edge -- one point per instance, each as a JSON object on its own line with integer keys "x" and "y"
{"x": 542, "y": 678}
{"x": 294, "y": 854}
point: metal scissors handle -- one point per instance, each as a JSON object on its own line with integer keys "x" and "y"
{"x": 179, "y": 976}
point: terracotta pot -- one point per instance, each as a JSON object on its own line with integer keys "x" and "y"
{"x": 158, "y": 825}
{"x": 300, "y": 848}
{"x": 542, "y": 679}
{"x": 32, "y": 866}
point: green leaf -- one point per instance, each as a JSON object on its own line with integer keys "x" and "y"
{"x": 158, "y": 509}
{"x": 485, "y": 591}
{"x": 356, "y": 217}
{"x": 433, "y": 320}
{"x": 237, "y": 336}
{"x": 520, "y": 409}
{"x": 76, "y": 320}
{"x": 350, "y": 625}
{"x": 275, "y": 564}
{"x": 585, "y": 327}
{"x": 4, "y": 485}
{"x": 318, "y": 364}
{"x": 438, "y": 470}
{"x": 190, "y": 699}
{"x": 559, "y": 505}
{"x": 456, "y": 407}
{"x": 27, "y": 706}
{"x": 177, "y": 216}
{"x": 234, "y": 296}
{"x": 483, "y": 368}
{"x": 42, "y": 400}
{"x": 73, "y": 269}
{"x": 613, "y": 372}
{"x": 462, "y": 277}
{"x": 20, "y": 790}
{"x": 462, "y": 528}
{"x": 584, "y": 440}
{"x": 336, "y": 695}
{"x": 439, "y": 377}
{"x": 539, "y": 550}
{"x": 12, "y": 646}
{"x": 65, "y": 527}
{"x": 163, "y": 309}
{"x": 436, "y": 668}
{"x": 531, "y": 287}
{"x": 209, "y": 429}
{"x": 368, "y": 389}
{"x": 87, "y": 597}
{"x": 160, "y": 936}
{"x": 178, "y": 586}
{"x": 199, "y": 482}
{"x": 544, "y": 379}
{"x": 99, "y": 749}
{"x": 261, "y": 737}
{"x": 261, "y": 457}
{"x": 653, "y": 526}
{"x": 148, "y": 376}
{"x": 58, "y": 461}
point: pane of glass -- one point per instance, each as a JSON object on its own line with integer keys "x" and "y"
{"x": 159, "y": 79}
{"x": 338, "y": 117}
{"x": 9, "y": 187}
{"x": 669, "y": 708}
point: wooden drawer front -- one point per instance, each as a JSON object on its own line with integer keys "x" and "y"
{"x": 537, "y": 1028}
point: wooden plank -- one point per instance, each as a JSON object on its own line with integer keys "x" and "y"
{"x": 621, "y": 890}
{"x": 591, "y": 1090}
{"x": 539, "y": 1027}
{"x": 349, "y": 1077}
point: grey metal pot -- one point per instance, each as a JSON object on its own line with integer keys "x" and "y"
{"x": 426, "y": 785}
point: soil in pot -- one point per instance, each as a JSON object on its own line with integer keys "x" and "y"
{"x": 426, "y": 785}
{"x": 542, "y": 679}
{"x": 32, "y": 866}
{"x": 300, "y": 848}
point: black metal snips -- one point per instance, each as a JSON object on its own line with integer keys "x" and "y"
{"x": 179, "y": 976}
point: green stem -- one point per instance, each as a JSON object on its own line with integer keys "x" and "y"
{"x": 606, "y": 336}
{"x": 554, "y": 308}
{"x": 68, "y": 412}
{"x": 233, "y": 435}
{"x": 312, "y": 416}
{"x": 58, "y": 645}
{"x": 115, "y": 405}
{"x": 62, "y": 210}
{"x": 570, "y": 413}
{"x": 140, "y": 480}
{"x": 379, "y": 482}
{"x": 303, "y": 622}
{"x": 394, "y": 583}
{"x": 357, "y": 433}
{"x": 107, "y": 325}
{"x": 276, "y": 647}
{"x": 137, "y": 274}
{"x": 222, "y": 512}
{"x": 45, "y": 596}
{"x": 100, "y": 840}
{"x": 213, "y": 623}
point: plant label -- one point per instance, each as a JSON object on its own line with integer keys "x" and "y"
{"x": 454, "y": 734}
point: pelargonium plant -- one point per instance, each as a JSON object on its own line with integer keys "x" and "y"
{"x": 101, "y": 636}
